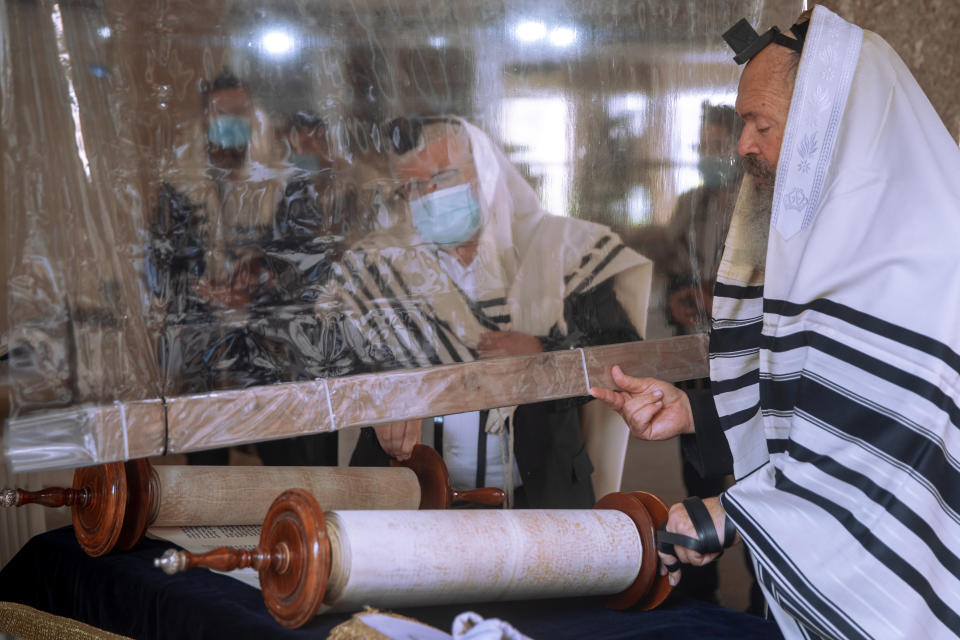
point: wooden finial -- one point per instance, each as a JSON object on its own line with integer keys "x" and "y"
{"x": 111, "y": 504}
{"x": 435, "y": 489}
{"x": 292, "y": 558}
{"x": 49, "y": 497}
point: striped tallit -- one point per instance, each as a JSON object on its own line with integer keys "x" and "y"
{"x": 410, "y": 311}
{"x": 834, "y": 361}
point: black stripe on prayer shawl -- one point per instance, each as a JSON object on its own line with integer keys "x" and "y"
{"x": 377, "y": 314}
{"x": 587, "y": 257}
{"x": 869, "y": 323}
{"x": 873, "y": 453}
{"x": 736, "y": 291}
{"x": 597, "y": 269}
{"x": 875, "y": 547}
{"x": 779, "y": 395}
{"x": 805, "y": 601}
{"x": 365, "y": 311}
{"x": 875, "y": 428}
{"x": 723, "y": 323}
{"x": 885, "y": 499}
{"x": 741, "y": 339}
{"x": 752, "y": 471}
{"x": 425, "y": 346}
{"x": 809, "y": 604}
{"x": 734, "y": 354}
{"x": 474, "y": 307}
{"x": 788, "y": 603}
{"x": 734, "y": 384}
{"x": 477, "y": 311}
{"x": 431, "y": 315}
{"x": 777, "y": 445}
{"x": 778, "y": 414}
{"x": 445, "y": 333}
{"x": 737, "y": 418}
{"x": 873, "y": 366}
{"x": 441, "y": 327}
{"x": 492, "y": 302}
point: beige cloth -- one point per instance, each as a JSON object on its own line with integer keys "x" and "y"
{"x": 21, "y": 621}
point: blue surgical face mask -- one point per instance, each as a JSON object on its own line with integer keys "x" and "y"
{"x": 718, "y": 171}
{"x": 229, "y": 132}
{"x": 448, "y": 216}
{"x": 305, "y": 161}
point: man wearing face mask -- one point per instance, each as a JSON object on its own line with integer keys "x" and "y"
{"x": 696, "y": 233}
{"x": 307, "y": 233}
{"x": 205, "y": 264}
{"x": 700, "y": 221}
{"x": 481, "y": 271}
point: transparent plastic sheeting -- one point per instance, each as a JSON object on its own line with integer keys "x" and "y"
{"x": 211, "y": 196}
{"x": 133, "y": 429}
{"x": 84, "y": 435}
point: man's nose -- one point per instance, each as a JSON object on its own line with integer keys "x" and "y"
{"x": 747, "y": 143}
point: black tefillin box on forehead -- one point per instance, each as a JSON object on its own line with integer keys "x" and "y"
{"x": 746, "y": 42}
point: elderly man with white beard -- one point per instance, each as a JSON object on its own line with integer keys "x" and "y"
{"x": 834, "y": 349}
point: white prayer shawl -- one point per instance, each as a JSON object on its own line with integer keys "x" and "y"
{"x": 397, "y": 293}
{"x": 836, "y": 371}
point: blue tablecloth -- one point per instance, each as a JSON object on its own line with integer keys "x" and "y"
{"x": 125, "y": 594}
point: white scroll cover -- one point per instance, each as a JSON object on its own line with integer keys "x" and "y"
{"x": 835, "y": 370}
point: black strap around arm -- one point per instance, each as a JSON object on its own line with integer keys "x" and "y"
{"x": 706, "y": 541}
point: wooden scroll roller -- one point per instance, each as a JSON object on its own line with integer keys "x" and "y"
{"x": 113, "y": 504}
{"x": 310, "y": 562}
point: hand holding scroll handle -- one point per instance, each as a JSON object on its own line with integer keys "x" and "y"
{"x": 657, "y": 410}
{"x": 696, "y": 533}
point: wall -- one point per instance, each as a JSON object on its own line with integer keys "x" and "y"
{"x": 923, "y": 32}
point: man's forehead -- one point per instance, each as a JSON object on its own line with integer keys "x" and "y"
{"x": 763, "y": 81}
{"x": 443, "y": 147}
{"x": 233, "y": 98}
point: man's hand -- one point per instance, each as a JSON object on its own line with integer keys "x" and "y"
{"x": 684, "y": 306}
{"x": 653, "y": 409}
{"x": 226, "y": 297}
{"x": 238, "y": 290}
{"x": 678, "y": 521}
{"x": 495, "y": 344}
{"x": 398, "y": 438}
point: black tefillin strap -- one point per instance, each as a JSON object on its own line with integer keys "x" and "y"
{"x": 707, "y": 540}
{"x": 746, "y": 42}
{"x": 405, "y": 132}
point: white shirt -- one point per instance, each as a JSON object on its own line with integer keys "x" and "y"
{"x": 461, "y": 431}
{"x": 460, "y": 449}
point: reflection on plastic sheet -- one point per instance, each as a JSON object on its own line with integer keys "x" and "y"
{"x": 215, "y": 195}
{"x": 61, "y": 440}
